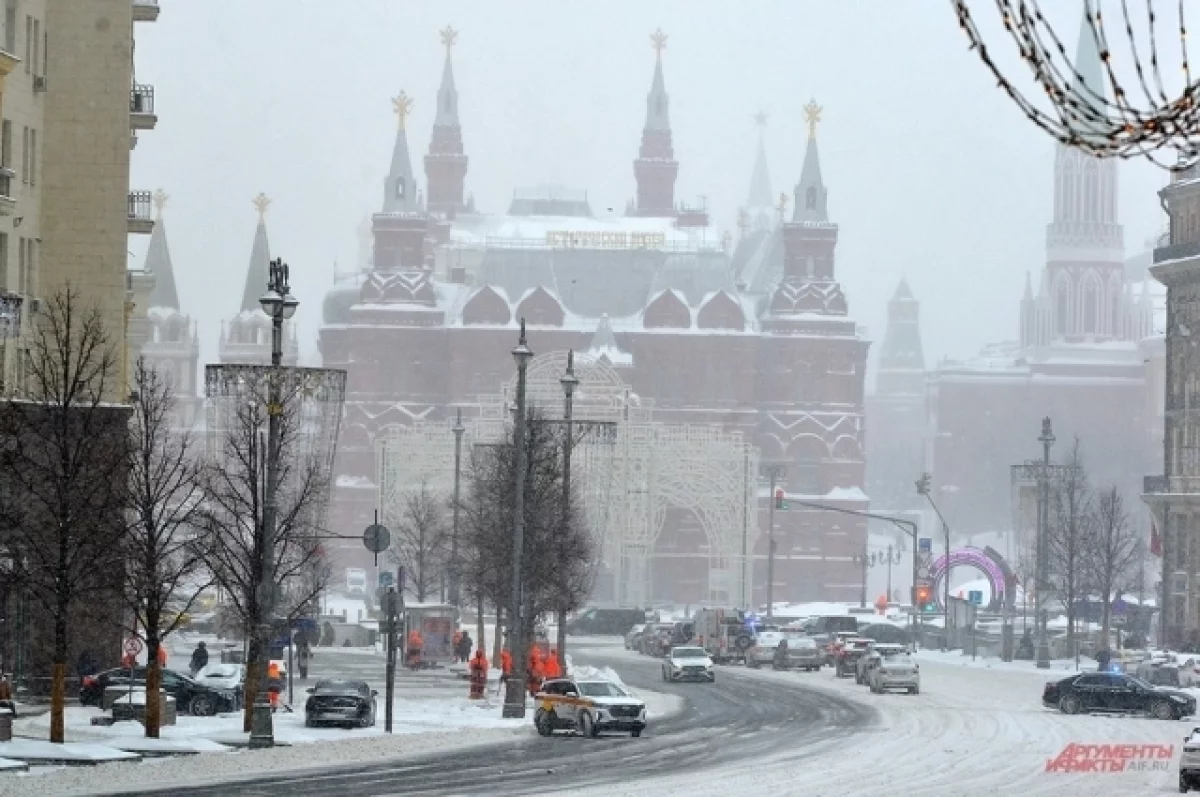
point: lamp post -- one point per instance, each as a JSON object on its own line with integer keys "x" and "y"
{"x": 455, "y": 568}
{"x": 1039, "y": 607}
{"x": 279, "y": 305}
{"x": 874, "y": 559}
{"x": 514, "y": 695}
{"x": 569, "y": 382}
{"x": 774, "y": 473}
{"x": 923, "y": 489}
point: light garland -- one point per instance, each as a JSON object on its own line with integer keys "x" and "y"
{"x": 1083, "y": 119}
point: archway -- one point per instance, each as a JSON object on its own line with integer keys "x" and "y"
{"x": 1001, "y": 580}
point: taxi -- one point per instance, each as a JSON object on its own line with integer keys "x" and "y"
{"x": 589, "y": 707}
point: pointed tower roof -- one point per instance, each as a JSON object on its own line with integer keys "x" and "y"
{"x": 902, "y": 357}
{"x": 811, "y": 194}
{"x": 604, "y": 345}
{"x": 1088, "y": 65}
{"x": 260, "y": 258}
{"x": 158, "y": 260}
{"x": 400, "y": 187}
{"x": 761, "y": 195}
{"x": 903, "y": 292}
{"x": 657, "y": 102}
{"x": 447, "y": 96}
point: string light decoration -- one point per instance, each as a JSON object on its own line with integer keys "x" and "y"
{"x": 1104, "y": 127}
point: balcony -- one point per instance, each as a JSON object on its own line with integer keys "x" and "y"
{"x": 141, "y": 222}
{"x": 7, "y": 202}
{"x": 1177, "y": 251}
{"x": 141, "y": 107}
{"x": 145, "y": 10}
{"x": 1175, "y": 485}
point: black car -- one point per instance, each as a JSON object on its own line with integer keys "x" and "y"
{"x": 1116, "y": 693}
{"x": 190, "y": 696}
{"x": 606, "y": 621}
{"x": 349, "y": 703}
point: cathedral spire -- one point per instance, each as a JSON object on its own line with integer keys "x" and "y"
{"x": 158, "y": 260}
{"x": 1088, "y": 65}
{"x": 760, "y": 195}
{"x": 902, "y": 357}
{"x": 811, "y": 194}
{"x": 400, "y": 187}
{"x": 260, "y": 258}
{"x": 446, "y": 163}
{"x": 656, "y": 168}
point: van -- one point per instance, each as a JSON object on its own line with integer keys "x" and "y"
{"x": 606, "y": 621}
{"x": 823, "y": 628}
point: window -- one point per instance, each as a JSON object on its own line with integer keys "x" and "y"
{"x": 1060, "y": 312}
{"x": 31, "y": 267}
{"x": 3, "y": 261}
{"x": 28, "y": 40}
{"x": 32, "y": 157}
{"x": 35, "y": 44}
{"x": 1091, "y": 308}
{"x": 10, "y": 26}
{"x": 21, "y": 265}
{"x": 6, "y": 144}
{"x": 810, "y": 198}
{"x": 25, "y": 154}
{"x": 400, "y": 188}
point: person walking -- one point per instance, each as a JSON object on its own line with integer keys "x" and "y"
{"x": 550, "y": 667}
{"x": 536, "y": 673}
{"x": 505, "y": 667}
{"x": 465, "y": 644}
{"x": 479, "y": 670}
{"x": 274, "y": 684}
{"x": 199, "y": 658}
{"x": 455, "y": 646}
{"x": 303, "y": 654}
{"x": 414, "y": 649}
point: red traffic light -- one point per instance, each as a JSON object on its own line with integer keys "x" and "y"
{"x": 779, "y": 498}
{"x": 923, "y": 595}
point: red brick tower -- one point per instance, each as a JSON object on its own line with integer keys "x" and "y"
{"x": 656, "y": 167}
{"x": 446, "y": 164}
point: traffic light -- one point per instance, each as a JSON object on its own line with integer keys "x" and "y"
{"x": 923, "y": 484}
{"x": 923, "y": 598}
{"x": 779, "y": 498}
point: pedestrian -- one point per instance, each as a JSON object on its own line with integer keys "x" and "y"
{"x": 414, "y": 649}
{"x": 536, "y": 672}
{"x": 274, "y": 684}
{"x": 128, "y": 661}
{"x": 162, "y": 655}
{"x": 303, "y": 654}
{"x": 465, "y": 646}
{"x": 479, "y": 669}
{"x": 199, "y": 658}
{"x": 87, "y": 664}
{"x": 454, "y": 645}
{"x": 550, "y": 667}
{"x": 505, "y": 663}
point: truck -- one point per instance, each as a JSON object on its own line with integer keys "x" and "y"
{"x": 723, "y": 634}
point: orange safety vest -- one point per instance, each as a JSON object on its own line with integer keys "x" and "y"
{"x": 414, "y": 639}
{"x": 479, "y": 664}
{"x": 506, "y": 662}
{"x": 551, "y": 668}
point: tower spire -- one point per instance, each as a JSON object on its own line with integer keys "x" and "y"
{"x": 760, "y": 179}
{"x": 400, "y": 187}
{"x": 260, "y": 257}
{"x": 158, "y": 260}
{"x": 446, "y": 164}
{"x": 811, "y": 194}
{"x": 902, "y": 357}
{"x": 656, "y": 168}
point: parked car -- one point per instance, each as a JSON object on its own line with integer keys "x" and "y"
{"x": 895, "y": 669}
{"x": 590, "y": 707}
{"x": 656, "y": 639}
{"x": 634, "y": 634}
{"x": 606, "y": 621}
{"x": 223, "y": 676}
{"x": 340, "y": 702}
{"x": 801, "y": 652}
{"x": 874, "y": 655}
{"x": 1116, "y": 693}
{"x": 688, "y": 664}
{"x": 191, "y": 696}
{"x": 845, "y": 661}
{"x": 1189, "y": 762}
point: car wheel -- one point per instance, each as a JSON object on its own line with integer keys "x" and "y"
{"x": 636, "y": 733}
{"x": 202, "y": 706}
{"x": 1162, "y": 710}
{"x": 309, "y": 723}
{"x": 544, "y": 722}
{"x": 916, "y": 690}
{"x": 1069, "y": 704}
{"x": 587, "y": 726}
{"x": 1183, "y": 785}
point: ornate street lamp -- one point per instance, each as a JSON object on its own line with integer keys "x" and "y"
{"x": 1043, "y": 644}
{"x": 514, "y": 696}
{"x": 455, "y": 569}
{"x": 569, "y": 382}
{"x": 279, "y": 305}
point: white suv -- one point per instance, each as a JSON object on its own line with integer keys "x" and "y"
{"x": 688, "y": 664}
{"x": 896, "y": 670}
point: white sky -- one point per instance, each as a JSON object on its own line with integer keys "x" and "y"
{"x": 932, "y": 172}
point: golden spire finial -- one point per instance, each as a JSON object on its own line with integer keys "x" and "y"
{"x": 160, "y": 201}
{"x": 658, "y": 40}
{"x": 401, "y": 105}
{"x": 760, "y": 119}
{"x": 261, "y": 203}
{"x": 812, "y": 115}
{"x": 449, "y": 37}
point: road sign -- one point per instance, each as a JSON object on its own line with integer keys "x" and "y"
{"x": 925, "y": 545}
{"x": 377, "y": 538}
{"x": 133, "y": 646}
{"x": 386, "y": 579}
{"x": 975, "y": 596}
{"x": 1119, "y": 607}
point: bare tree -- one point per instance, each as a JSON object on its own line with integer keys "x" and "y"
{"x": 62, "y": 473}
{"x": 1069, "y": 533}
{"x": 421, "y": 542}
{"x": 1113, "y": 554}
{"x": 232, "y": 520}
{"x": 165, "y": 571}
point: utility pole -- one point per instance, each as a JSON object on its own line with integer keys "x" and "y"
{"x": 746, "y": 524}
{"x": 390, "y": 598}
{"x": 514, "y": 695}
{"x": 923, "y": 488}
{"x": 889, "y": 577}
{"x": 862, "y": 595}
{"x": 1043, "y": 644}
{"x": 455, "y": 565}
{"x": 774, "y": 473}
{"x": 569, "y": 382}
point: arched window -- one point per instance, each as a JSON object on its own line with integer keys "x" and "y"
{"x": 400, "y": 188}
{"x": 1062, "y": 304}
{"x": 1091, "y": 308}
{"x": 810, "y": 198}
{"x": 1114, "y": 320}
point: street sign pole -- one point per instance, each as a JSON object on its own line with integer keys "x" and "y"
{"x": 390, "y": 599}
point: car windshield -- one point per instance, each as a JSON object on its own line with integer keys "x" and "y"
{"x": 688, "y": 653}
{"x": 221, "y": 671}
{"x": 801, "y": 642}
{"x": 1138, "y": 682}
{"x": 340, "y": 686}
{"x": 601, "y": 689}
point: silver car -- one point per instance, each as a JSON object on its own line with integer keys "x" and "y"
{"x": 896, "y": 670}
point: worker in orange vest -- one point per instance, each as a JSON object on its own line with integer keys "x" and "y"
{"x": 274, "y": 684}
{"x": 536, "y": 673}
{"x": 414, "y": 649}
{"x": 128, "y": 662}
{"x": 162, "y": 655}
{"x": 551, "y": 667}
{"x": 505, "y": 663}
{"x": 479, "y": 670}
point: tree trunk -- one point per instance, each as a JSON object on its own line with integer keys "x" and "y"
{"x": 58, "y": 686}
{"x": 253, "y": 676}
{"x": 153, "y": 681}
{"x": 479, "y": 628}
{"x": 1105, "y": 619}
{"x": 498, "y": 641}
{"x": 562, "y": 640}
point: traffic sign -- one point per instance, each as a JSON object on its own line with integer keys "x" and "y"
{"x": 377, "y": 538}
{"x": 975, "y": 596}
{"x": 133, "y": 646}
{"x": 925, "y": 545}
{"x": 1119, "y": 607}
{"x": 386, "y": 579}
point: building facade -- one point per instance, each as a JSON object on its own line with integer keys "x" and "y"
{"x": 755, "y": 340}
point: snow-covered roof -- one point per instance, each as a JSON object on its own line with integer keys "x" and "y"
{"x": 579, "y": 232}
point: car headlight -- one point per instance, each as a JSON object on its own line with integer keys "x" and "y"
{"x": 1180, "y": 699}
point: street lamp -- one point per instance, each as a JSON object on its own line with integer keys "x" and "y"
{"x": 876, "y": 558}
{"x": 514, "y": 695}
{"x": 923, "y": 489}
{"x": 569, "y": 382}
{"x": 455, "y": 569}
{"x": 1043, "y": 644}
{"x": 774, "y": 472}
{"x": 279, "y": 305}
